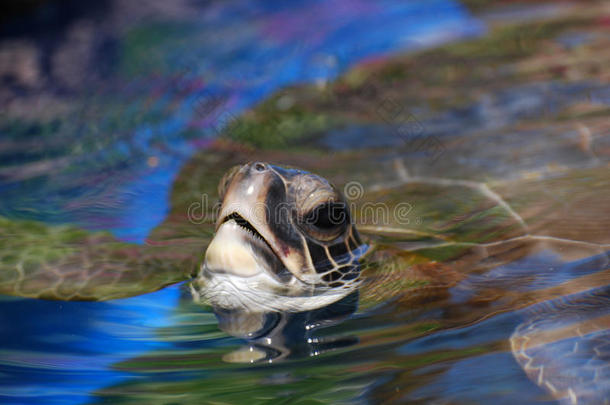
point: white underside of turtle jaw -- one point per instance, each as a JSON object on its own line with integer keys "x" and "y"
{"x": 232, "y": 251}
{"x": 263, "y": 293}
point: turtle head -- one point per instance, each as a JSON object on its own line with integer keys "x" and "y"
{"x": 285, "y": 228}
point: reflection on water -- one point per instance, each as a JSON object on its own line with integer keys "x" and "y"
{"x": 276, "y": 336}
{"x": 163, "y": 347}
{"x": 56, "y": 352}
{"x": 454, "y": 315}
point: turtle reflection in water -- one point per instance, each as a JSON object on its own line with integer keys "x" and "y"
{"x": 286, "y": 257}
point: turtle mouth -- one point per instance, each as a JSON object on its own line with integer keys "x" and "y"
{"x": 243, "y": 223}
{"x": 245, "y": 251}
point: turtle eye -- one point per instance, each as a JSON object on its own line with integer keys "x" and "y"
{"x": 327, "y": 220}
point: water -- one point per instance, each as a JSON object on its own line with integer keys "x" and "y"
{"x": 162, "y": 347}
{"x": 110, "y": 148}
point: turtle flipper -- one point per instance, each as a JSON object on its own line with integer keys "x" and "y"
{"x": 68, "y": 263}
{"x": 564, "y": 346}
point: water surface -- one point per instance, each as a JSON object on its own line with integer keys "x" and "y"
{"x": 520, "y": 134}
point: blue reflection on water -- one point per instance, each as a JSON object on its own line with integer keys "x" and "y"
{"x": 472, "y": 380}
{"x": 534, "y": 272}
{"x": 57, "y": 352}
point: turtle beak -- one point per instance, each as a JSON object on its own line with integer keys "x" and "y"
{"x": 248, "y": 240}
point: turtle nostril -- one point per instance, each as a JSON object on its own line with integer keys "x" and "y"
{"x": 259, "y": 167}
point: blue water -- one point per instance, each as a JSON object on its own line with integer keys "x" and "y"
{"x": 59, "y": 352}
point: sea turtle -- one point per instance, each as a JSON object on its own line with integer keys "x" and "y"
{"x": 288, "y": 241}
{"x": 304, "y": 246}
